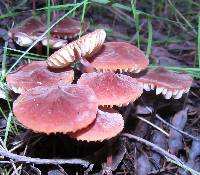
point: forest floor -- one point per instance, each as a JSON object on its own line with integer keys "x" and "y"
{"x": 169, "y": 34}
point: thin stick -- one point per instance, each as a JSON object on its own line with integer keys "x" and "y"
{"x": 172, "y": 126}
{"x": 170, "y": 157}
{"x": 158, "y": 128}
{"x": 24, "y": 159}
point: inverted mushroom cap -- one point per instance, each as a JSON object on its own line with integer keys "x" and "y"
{"x": 119, "y": 56}
{"x": 169, "y": 83}
{"x": 26, "y": 32}
{"x": 112, "y": 89}
{"x": 106, "y": 126}
{"x": 63, "y": 108}
{"x": 69, "y": 28}
{"x": 85, "y": 46}
{"x": 36, "y": 74}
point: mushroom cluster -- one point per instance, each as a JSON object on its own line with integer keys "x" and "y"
{"x": 51, "y": 103}
{"x": 30, "y": 29}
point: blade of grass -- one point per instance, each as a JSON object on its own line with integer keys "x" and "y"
{"x": 3, "y": 68}
{"x": 150, "y": 36}
{"x": 29, "y": 53}
{"x": 136, "y": 19}
{"x": 35, "y": 42}
{"x": 180, "y": 14}
{"x": 198, "y": 41}
{"x": 8, "y": 126}
{"x": 58, "y": 7}
{"x": 48, "y": 25}
{"x": 195, "y": 72}
{"x": 6, "y": 94}
{"x": 83, "y": 16}
{"x": 27, "y": 57}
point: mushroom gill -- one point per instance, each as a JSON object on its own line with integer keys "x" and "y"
{"x": 169, "y": 83}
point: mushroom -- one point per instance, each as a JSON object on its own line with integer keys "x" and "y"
{"x": 59, "y": 108}
{"x": 36, "y": 74}
{"x": 169, "y": 83}
{"x": 86, "y": 46}
{"x": 106, "y": 126}
{"x": 68, "y": 28}
{"x": 26, "y": 32}
{"x": 29, "y": 30}
{"x": 120, "y": 56}
{"x": 112, "y": 89}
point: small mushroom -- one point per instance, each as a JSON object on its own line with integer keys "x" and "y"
{"x": 120, "y": 56}
{"x": 59, "y": 108}
{"x": 68, "y": 28}
{"x": 106, "y": 126}
{"x": 26, "y": 32}
{"x": 169, "y": 83}
{"x": 112, "y": 89}
{"x": 36, "y": 74}
{"x": 86, "y": 46}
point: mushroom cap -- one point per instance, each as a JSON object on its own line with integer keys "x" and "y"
{"x": 69, "y": 27}
{"x": 112, "y": 89}
{"x": 60, "y": 108}
{"x": 85, "y": 46}
{"x": 167, "y": 82}
{"x": 31, "y": 27}
{"x": 36, "y": 74}
{"x": 165, "y": 78}
{"x": 106, "y": 126}
{"x": 119, "y": 56}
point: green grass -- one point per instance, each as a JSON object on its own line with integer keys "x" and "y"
{"x": 48, "y": 24}
{"x": 150, "y": 37}
{"x": 83, "y": 16}
{"x": 198, "y": 41}
{"x": 136, "y": 19}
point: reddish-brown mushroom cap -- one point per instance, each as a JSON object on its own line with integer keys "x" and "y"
{"x": 26, "y": 32}
{"x": 112, "y": 89}
{"x": 106, "y": 126}
{"x": 169, "y": 83}
{"x": 63, "y": 108}
{"x": 68, "y": 28}
{"x": 119, "y": 56}
{"x": 36, "y": 74}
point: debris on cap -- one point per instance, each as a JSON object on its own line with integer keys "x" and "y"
{"x": 166, "y": 82}
{"x": 36, "y": 74}
{"x": 60, "y": 108}
{"x": 112, "y": 89}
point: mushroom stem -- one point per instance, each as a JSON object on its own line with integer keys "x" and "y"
{"x": 86, "y": 66}
{"x": 38, "y": 48}
{"x": 109, "y": 158}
